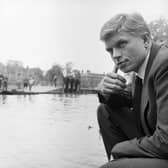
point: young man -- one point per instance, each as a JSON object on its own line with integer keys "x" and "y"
{"x": 134, "y": 129}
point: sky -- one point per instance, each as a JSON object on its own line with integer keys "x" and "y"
{"x": 40, "y": 33}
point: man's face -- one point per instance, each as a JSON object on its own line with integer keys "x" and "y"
{"x": 127, "y": 51}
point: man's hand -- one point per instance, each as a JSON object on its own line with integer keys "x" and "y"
{"x": 112, "y": 83}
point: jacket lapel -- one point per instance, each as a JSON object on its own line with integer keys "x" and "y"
{"x": 145, "y": 95}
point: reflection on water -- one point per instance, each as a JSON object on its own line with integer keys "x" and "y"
{"x": 3, "y": 99}
{"x": 50, "y": 131}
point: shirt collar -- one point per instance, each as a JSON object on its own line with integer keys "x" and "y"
{"x": 142, "y": 69}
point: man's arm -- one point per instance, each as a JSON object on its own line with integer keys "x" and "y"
{"x": 156, "y": 145}
{"x": 120, "y": 99}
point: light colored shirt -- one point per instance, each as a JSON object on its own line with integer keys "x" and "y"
{"x": 142, "y": 69}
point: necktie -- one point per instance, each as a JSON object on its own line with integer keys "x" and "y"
{"x": 137, "y": 100}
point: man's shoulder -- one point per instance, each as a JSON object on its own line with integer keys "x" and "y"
{"x": 161, "y": 58}
{"x": 163, "y": 50}
{"x": 160, "y": 62}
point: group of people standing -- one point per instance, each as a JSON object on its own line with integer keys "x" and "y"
{"x": 28, "y": 83}
{"x": 25, "y": 83}
{"x": 3, "y": 82}
{"x": 71, "y": 82}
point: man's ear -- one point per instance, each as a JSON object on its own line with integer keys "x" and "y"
{"x": 146, "y": 39}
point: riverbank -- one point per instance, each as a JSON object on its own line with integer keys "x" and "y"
{"x": 44, "y": 90}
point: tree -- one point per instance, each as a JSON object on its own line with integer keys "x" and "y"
{"x": 159, "y": 29}
{"x": 37, "y": 73}
{"x": 55, "y": 70}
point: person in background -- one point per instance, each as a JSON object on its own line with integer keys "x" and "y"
{"x": 5, "y": 83}
{"x": 1, "y": 81}
{"x": 55, "y": 80}
{"x": 25, "y": 83}
{"x": 76, "y": 81}
{"x": 134, "y": 127}
{"x": 19, "y": 81}
{"x": 31, "y": 83}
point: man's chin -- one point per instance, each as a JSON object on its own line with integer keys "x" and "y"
{"x": 125, "y": 70}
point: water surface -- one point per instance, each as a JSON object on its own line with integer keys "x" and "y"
{"x": 50, "y": 131}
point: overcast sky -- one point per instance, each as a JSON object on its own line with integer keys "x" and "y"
{"x": 43, "y": 32}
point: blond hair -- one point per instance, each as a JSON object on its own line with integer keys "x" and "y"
{"x": 131, "y": 23}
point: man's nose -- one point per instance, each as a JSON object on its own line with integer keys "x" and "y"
{"x": 116, "y": 54}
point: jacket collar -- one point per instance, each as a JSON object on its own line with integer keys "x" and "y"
{"x": 153, "y": 52}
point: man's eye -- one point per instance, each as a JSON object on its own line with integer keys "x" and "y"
{"x": 122, "y": 45}
{"x": 110, "y": 50}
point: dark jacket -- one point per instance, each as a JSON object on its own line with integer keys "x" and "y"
{"x": 153, "y": 111}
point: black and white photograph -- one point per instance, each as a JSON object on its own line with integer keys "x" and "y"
{"x": 83, "y": 84}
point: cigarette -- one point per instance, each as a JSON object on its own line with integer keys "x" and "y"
{"x": 115, "y": 69}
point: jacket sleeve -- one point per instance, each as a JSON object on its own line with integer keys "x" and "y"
{"x": 156, "y": 145}
{"x": 122, "y": 99}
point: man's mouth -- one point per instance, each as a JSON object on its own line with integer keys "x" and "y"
{"x": 121, "y": 63}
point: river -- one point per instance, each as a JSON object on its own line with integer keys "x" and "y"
{"x": 50, "y": 131}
